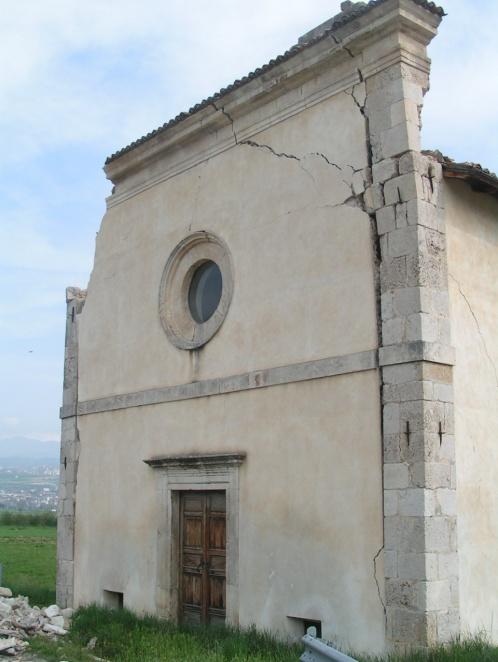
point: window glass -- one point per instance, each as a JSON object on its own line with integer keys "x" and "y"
{"x": 205, "y": 291}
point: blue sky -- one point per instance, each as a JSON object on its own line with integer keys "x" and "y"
{"x": 79, "y": 80}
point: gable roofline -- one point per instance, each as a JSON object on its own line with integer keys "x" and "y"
{"x": 358, "y": 9}
{"x": 479, "y": 178}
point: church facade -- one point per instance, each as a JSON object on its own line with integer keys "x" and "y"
{"x": 281, "y": 385}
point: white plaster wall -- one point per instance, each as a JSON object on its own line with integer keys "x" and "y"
{"x": 311, "y": 489}
{"x": 303, "y": 266}
{"x": 310, "y": 501}
{"x": 472, "y": 234}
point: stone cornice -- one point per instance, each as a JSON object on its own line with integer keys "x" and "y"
{"x": 333, "y": 64}
{"x": 189, "y": 461}
{"x": 297, "y": 372}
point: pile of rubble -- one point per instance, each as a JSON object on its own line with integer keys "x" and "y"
{"x": 19, "y": 621}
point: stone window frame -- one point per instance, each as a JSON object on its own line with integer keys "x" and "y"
{"x": 182, "y": 473}
{"x": 174, "y": 312}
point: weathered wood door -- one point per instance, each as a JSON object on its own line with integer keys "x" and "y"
{"x": 202, "y": 557}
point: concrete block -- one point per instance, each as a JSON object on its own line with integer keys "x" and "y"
{"x": 393, "y": 331}
{"x": 358, "y": 183}
{"x": 447, "y": 565}
{"x": 401, "y": 374}
{"x": 414, "y": 162}
{"x": 446, "y": 502}
{"x": 443, "y": 392}
{"x": 449, "y": 418}
{"x": 391, "y": 419}
{"x": 422, "y": 326}
{"x": 386, "y": 219}
{"x": 405, "y": 110}
{"x": 418, "y": 566}
{"x": 391, "y": 447}
{"x": 447, "y": 449}
{"x": 373, "y": 198}
{"x": 406, "y": 301}
{"x": 405, "y": 534}
{"x": 418, "y": 390}
{"x": 390, "y": 503}
{"x": 401, "y": 215}
{"x": 453, "y": 477}
{"x": 406, "y": 626}
{"x": 384, "y": 170}
{"x": 403, "y": 188}
{"x": 398, "y": 139}
{"x": 434, "y": 595}
{"x": 448, "y": 625}
{"x": 396, "y": 476}
{"x": 417, "y": 502}
{"x": 431, "y": 475}
{"x": 437, "y": 535}
{"x": 390, "y": 564}
{"x": 386, "y": 304}
{"x": 454, "y": 591}
{"x": 401, "y": 592}
{"x": 437, "y": 373}
{"x": 393, "y": 274}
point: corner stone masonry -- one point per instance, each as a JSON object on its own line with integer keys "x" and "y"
{"x": 75, "y": 299}
{"x": 420, "y": 553}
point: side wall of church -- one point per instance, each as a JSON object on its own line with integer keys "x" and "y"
{"x": 472, "y": 232}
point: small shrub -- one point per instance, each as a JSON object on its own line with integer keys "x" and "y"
{"x": 34, "y": 518}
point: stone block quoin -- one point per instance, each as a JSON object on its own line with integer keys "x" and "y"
{"x": 70, "y": 446}
{"x": 420, "y": 545}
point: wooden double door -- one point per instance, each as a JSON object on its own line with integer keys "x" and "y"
{"x": 202, "y": 557}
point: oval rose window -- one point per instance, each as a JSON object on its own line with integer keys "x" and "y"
{"x": 205, "y": 290}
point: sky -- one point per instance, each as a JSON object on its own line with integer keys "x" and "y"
{"x": 79, "y": 80}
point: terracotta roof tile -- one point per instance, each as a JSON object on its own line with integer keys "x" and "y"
{"x": 341, "y": 19}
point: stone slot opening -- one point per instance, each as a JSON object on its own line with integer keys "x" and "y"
{"x": 113, "y": 599}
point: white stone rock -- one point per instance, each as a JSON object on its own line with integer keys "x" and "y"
{"x": 54, "y": 629}
{"x": 5, "y": 592}
{"x": 5, "y": 610}
{"x": 52, "y": 611}
{"x": 67, "y": 613}
{"x": 57, "y": 620}
{"x": 6, "y": 644}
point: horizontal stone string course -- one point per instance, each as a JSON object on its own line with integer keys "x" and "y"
{"x": 298, "y": 372}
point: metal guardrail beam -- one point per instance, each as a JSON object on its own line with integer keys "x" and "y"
{"x": 316, "y": 650}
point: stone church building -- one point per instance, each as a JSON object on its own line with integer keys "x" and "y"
{"x": 281, "y": 385}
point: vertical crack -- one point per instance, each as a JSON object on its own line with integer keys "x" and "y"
{"x": 377, "y": 583}
{"x": 483, "y": 340}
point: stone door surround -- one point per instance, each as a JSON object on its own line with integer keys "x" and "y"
{"x": 199, "y": 472}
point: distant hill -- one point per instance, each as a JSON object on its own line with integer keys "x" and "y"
{"x": 20, "y": 452}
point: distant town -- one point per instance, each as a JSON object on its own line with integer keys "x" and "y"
{"x": 29, "y": 488}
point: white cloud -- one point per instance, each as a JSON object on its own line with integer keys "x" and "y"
{"x": 9, "y": 421}
{"x": 93, "y": 76}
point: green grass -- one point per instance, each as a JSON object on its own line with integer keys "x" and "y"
{"x": 28, "y": 557}
{"x": 471, "y": 650}
{"x": 123, "y": 637}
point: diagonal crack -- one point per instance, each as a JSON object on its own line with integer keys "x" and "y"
{"x": 483, "y": 340}
{"x": 341, "y": 45}
{"x": 251, "y": 143}
{"x": 353, "y": 200}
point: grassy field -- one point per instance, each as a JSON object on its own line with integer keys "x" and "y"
{"x": 122, "y": 637}
{"x": 28, "y": 557}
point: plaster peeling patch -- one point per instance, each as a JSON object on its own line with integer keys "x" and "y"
{"x": 483, "y": 340}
